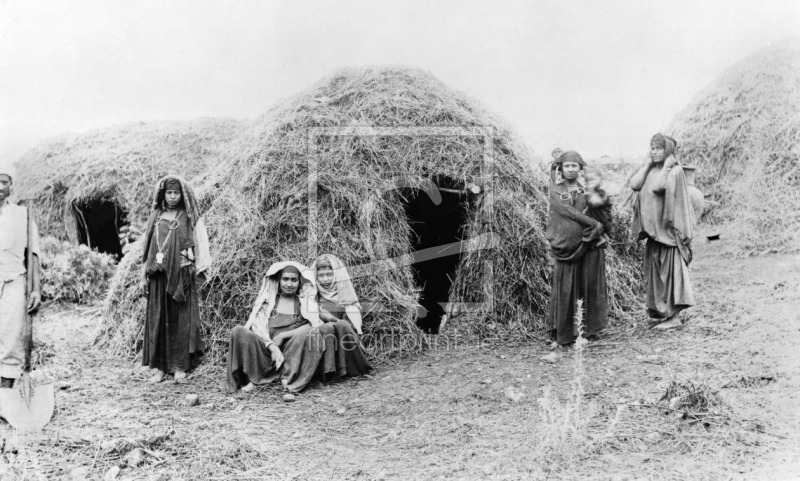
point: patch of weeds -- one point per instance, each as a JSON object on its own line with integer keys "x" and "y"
{"x": 563, "y": 434}
{"x": 698, "y": 403}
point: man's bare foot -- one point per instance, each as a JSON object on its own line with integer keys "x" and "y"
{"x": 179, "y": 376}
{"x": 157, "y": 377}
{"x": 250, "y": 386}
{"x": 671, "y": 323}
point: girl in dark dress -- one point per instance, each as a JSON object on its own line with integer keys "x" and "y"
{"x": 175, "y": 252}
{"x": 340, "y": 310}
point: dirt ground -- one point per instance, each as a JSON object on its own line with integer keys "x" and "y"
{"x": 448, "y": 413}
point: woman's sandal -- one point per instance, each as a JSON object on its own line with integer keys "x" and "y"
{"x": 157, "y": 377}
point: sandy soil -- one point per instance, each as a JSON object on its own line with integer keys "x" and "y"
{"x": 447, "y": 413}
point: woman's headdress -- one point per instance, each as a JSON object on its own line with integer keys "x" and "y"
{"x": 341, "y": 291}
{"x": 174, "y": 182}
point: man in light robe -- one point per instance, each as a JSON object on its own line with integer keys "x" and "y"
{"x": 13, "y": 247}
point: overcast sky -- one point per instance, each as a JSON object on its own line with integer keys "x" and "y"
{"x": 595, "y": 76}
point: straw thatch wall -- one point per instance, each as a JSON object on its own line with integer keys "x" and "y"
{"x": 257, "y": 210}
{"x": 742, "y": 131}
{"x": 120, "y": 163}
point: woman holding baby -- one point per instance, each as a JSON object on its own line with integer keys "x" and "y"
{"x": 580, "y": 213}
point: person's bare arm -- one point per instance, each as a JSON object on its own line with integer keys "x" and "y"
{"x": 660, "y": 184}
{"x": 36, "y": 292}
{"x": 637, "y": 179}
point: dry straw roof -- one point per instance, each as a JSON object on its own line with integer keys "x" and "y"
{"x": 742, "y": 131}
{"x": 257, "y": 206}
{"x": 122, "y": 163}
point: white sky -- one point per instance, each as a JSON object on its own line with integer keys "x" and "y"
{"x": 599, "y": 77}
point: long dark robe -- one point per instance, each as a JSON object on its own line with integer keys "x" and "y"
{"x": 172, "y": 326}
{"x": 580, "y": 266}
{"x": 249, "y": 360}
{"x": 344, "y": 354}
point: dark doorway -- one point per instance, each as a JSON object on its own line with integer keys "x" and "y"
{"x": 435, "y": 226}
{"x": 99, "y": 222}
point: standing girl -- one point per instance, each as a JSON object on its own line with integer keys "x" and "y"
{"x": 175, "y": 252}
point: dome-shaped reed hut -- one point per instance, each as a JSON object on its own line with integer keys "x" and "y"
{"x": 89, "y": 187}
{"x": 742, "y": 132}
{"x": 431, "y": 201}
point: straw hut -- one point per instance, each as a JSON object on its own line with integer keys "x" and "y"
{"x": 430, "y": 199}
{"x": 90, "y": 187}
{"x": 742, "y": 132}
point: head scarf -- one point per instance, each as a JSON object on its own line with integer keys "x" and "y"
{"x": 291, "y": 270}
{"x": 341, "y": 291}
{"x": 571, "y": 156}
{"x": 568, "y": 156}
{"x": 666, "y": 142}
{"x": 187, "y": 194}
{"x": 269, "y": 293}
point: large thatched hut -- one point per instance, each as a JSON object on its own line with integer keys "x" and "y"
{"x": 88, "y": 187}
{"x": 429, "y": 198}
{"x": 743, "y": 133}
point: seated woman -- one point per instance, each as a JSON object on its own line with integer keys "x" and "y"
{"x": 278, "y": 339}
{"x": 340, "y": 310}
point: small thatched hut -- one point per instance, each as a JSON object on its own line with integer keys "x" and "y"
{"x": 89, "y": 187}
{"x": 382, "y": 167}
{"x": 742, "y": 131}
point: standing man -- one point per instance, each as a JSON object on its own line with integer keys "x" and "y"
{"x": 13, "y": 246}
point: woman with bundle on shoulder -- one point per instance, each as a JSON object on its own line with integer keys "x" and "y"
{"x": 340, "y": 310}
{"x": 176, "y": 250}
{"x": 663, "y": 215}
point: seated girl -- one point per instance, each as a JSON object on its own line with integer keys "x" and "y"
{"x": 340, "y": 310}
{"x": 278, "y": 339}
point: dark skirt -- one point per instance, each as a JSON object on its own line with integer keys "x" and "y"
{"x": 669, "y": 289}
{"x": 582, "y": 279}
{"x": 344, "y": 354}
{"x": 172, "y": 329}
{"x": 249, "y": 360}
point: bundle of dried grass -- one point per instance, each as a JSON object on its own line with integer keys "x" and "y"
{"x": 257, "y": 203}
{"x": 742, "y": 131}
{"x": 120, "y": 164}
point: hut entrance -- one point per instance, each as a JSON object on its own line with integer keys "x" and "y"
{"x": 98, "y": 224}
{"x": 434, "y": 226}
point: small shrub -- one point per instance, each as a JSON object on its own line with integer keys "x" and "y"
{"x": 74, "y": 273}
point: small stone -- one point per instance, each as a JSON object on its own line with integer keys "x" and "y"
{"x": 111, "y": 474}
{"x": 134, "y": 458}
{"x": 514, "y": 394}
{"x": 653, "y": 437}
{"x": 192, "y": 400}
{"x": 79, "y": 474}
{"x": 502, "y": 356}
{"x": 486, "y": 381}
{"x": 289, "y": 398}
{"x": 108, "y": 445}
{"x": 341, "y": 411}
{"x": 552, "y": 358}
